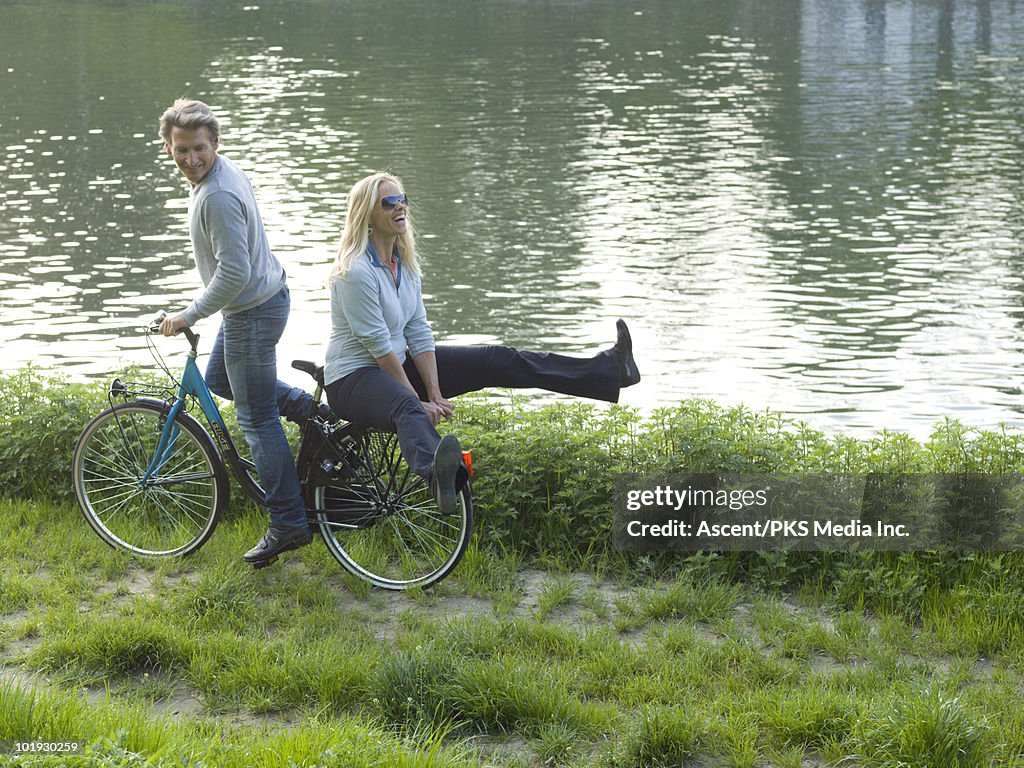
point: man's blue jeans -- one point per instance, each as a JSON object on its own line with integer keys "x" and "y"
{"x": 243, "y": 368}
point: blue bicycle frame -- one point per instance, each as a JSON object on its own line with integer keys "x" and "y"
{"x": 192, "y": 384}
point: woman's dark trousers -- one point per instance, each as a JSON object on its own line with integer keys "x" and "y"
{"x": 373, "y": 398}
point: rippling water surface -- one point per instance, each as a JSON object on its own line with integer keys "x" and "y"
{"x": 813, "y": 207}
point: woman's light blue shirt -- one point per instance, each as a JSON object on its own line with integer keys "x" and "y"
{"x": 372, "y": 314}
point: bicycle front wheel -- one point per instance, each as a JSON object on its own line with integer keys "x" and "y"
{"x": 173, "y": 511}
{"x": 384, "y": 526}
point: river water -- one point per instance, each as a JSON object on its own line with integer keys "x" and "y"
{"x": 813, "y": 207}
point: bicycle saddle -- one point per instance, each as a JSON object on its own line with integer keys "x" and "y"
{"x": 314, "y": 370}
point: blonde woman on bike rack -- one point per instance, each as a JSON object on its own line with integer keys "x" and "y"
{"x": 383, "y": 368}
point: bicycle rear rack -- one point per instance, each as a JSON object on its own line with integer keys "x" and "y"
{"x": 132, "y": 390}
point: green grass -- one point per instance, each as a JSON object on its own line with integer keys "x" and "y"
{"x": 546, "y": 647}
{"x": 502, "y": 666}
{"x": 114, "y": 733}
{"x": 923, "y": 728}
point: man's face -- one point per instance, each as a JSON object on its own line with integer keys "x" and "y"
{"x": 193, "y": 151}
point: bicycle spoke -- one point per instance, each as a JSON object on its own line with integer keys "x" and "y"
{"x": 420, "y": 532}
{"x": 403, "y": 539}
{"x": 172, "y": 512}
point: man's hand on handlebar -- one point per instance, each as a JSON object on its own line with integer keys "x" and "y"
{"x": 172, "y": 325}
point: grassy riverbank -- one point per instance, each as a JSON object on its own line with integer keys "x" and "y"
{"x": 205, "y": 662}
{"x": 545, "y": 647}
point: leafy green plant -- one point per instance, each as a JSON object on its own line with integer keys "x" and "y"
{"x": 40, "y": 418}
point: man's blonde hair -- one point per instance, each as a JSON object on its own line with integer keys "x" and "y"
{"x": 189, "y": 114}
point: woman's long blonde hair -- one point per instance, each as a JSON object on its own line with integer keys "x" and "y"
{"x": 355, "y": 238}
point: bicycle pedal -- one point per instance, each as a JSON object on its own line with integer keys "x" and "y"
{"x": 264, "y": 563}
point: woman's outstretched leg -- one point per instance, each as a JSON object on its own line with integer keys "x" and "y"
{"x": 471, "y": 368}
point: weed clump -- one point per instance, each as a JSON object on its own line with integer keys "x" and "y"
{"x": 926, "y": 729}
{"x": 662, "y": 736}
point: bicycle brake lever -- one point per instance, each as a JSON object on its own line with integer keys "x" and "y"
{"x": 154, "y": 324}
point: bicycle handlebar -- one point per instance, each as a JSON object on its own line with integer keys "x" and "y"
{"x": 154, "y": 327}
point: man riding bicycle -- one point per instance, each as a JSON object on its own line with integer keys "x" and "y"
{"x": 246, "y": 283}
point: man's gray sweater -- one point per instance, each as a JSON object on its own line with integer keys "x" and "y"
{"x": 230, "y": 245}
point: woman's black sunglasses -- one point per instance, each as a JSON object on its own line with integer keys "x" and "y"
{"x": 390, "y": 201}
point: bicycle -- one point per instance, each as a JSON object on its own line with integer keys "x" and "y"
{"x": 152, "y": 481}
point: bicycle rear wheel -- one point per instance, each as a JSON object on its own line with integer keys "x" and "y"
{"x": 384, "y": 526}
{"x": 172, "y": 513}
